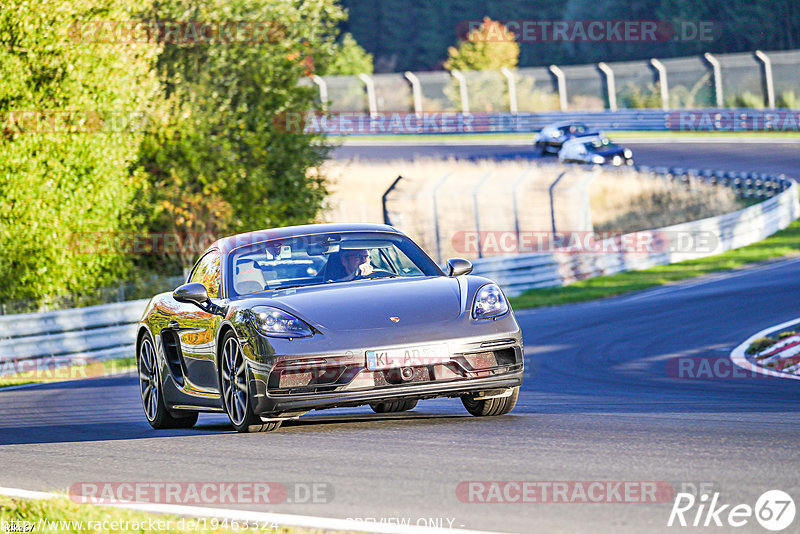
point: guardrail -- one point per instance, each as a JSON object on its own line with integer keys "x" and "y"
{"x": 452, "y": 122}
{"x": 59, "y": 338}
{"x": 732, "y": 230}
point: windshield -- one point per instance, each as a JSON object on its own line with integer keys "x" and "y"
{"x": 602, "y": 143}
{"x": 325, "y": 259}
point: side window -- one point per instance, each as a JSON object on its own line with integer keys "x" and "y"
{"x": 207, "y": 272}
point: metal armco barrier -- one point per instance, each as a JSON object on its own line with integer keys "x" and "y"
{"x": 93, "y": 333}
{"x": 731, "y": 230}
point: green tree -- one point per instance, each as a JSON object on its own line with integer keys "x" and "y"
{"x": 68, "y": 107}
{"x": 349, "y": 58}
{"x": 491, "y": 46}
{"x": 233, "y": 156}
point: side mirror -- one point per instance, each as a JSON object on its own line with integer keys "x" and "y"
{"x": 192, "y": 293}
{"x": 458, "y": 266}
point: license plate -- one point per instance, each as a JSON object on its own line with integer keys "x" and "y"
{"x": 407, "y": 357}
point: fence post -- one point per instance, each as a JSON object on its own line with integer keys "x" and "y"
{"x": 372, "y": 101}
{"x": 436, "y": 216}
{"x": 552, "y": 202}
{"x": 477, "y": 212}
{"x": 515, "y": 206}
{"x": 323, "y": 88}
{"x": 416, "y": 91}
{"x": 611, "y": 86}
{"x": 561, "y": 84}
{"x": 385, "y": 197}
{"x": 663, "y": 83}
{"x": 716, "y": 70}
{"x": 766, "y": 72}
{"x": 513, "y": 106}
{"x": 463, "y": 91}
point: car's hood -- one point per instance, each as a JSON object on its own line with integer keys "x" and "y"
{"x": 611, "y": 152}
{"x": 369, "y": 304}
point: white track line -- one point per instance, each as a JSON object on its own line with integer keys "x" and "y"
{"x": 302, "y": 521}
{"x": 738, "y": 356}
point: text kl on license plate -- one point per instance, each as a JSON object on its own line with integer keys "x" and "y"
{"x": 407, "y": 357}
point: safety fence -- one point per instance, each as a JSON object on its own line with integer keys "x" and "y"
{"x": 620, "y": 253}
{"x": 35, "y": 345}
{"x": 744, "y": 80}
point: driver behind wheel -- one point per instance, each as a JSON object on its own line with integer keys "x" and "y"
{"x": 356, "y": 263}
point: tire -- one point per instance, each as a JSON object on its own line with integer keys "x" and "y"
{"x": 151, "y": 389}
{"x": 544, "y": 150}
{"x": 491, "y": 407}
{"x": 393, "y": 406}
{"x": 235, "y": 388}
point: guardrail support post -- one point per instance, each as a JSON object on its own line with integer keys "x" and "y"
{"x": 611, "y": 86}
{"x": 769, "y": 84}
{"x": 462, "y": 90}
{"x": 663, "y": 84}
{"x": 323, "y": 88}
{"x": 416, "y": 91}
{"x": 716, "y": 70}
{"x": 561, "y": 84}
{"x": 372, "y": 101}
{"x": 512, "y": 90}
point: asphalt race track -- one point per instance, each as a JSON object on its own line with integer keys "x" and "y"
{"x": 602, "y": 401}
{"x": 772, "y": 156}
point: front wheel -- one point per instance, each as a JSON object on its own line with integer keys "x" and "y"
{"x": 394, "y": 406}
{"x": 490, "y": 407}
{"x": 235, "y": 387}
{"x": 155, "y": 409}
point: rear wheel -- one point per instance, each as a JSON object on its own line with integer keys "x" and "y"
{"x": 393, "y": 406}
{"x": 490, "y": 407}
{"x": 235, "y": 385}
{"x": 153, "y": 403}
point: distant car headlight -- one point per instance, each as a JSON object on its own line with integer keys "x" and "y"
{"x": 628, "y": 153}
{"x": 489, "y": 303}
{"x": 597, "y": 158}
{"x": 278, "y": 323}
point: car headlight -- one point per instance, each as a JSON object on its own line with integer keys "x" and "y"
{"x": 628, "y": 153}
{"x": 489, "y": 303}
{"x": 278, "y": 323}
{"x": 597, "y": 158}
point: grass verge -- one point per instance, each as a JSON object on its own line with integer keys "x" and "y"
{"x": 44, "y": 372}
{"x": 63, "y": 516}
{"x": 783, "y": 244}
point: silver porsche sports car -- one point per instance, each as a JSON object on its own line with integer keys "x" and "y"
{"x": 275, "y": 323}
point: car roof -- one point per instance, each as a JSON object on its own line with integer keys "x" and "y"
{"x": 226, "y": 244}
{"x": 561, "y": 124}
{"x": 583, "y": 139}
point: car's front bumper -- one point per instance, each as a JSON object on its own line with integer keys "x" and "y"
{"x": 266, "y": 405}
